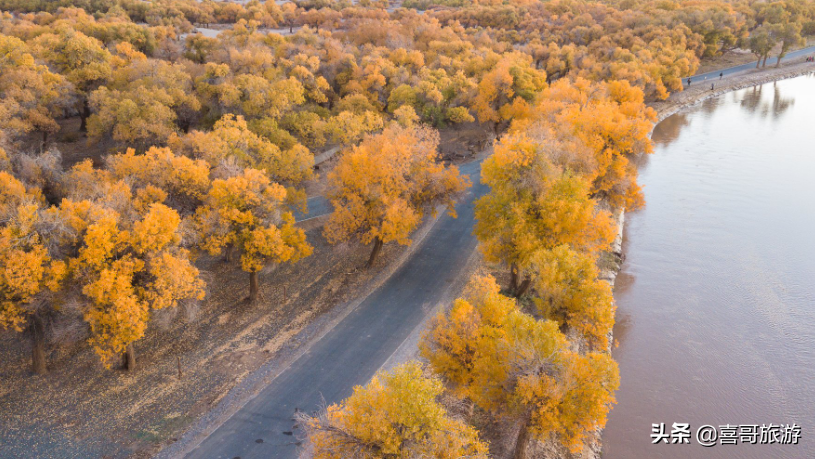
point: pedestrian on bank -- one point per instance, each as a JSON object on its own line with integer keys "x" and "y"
{"x": 689, "y": 82}
{"x": 721, "y": 75}
{"x": 711, "y": 86}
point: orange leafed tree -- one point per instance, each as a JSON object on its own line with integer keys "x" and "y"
{"x": 248, "y": 212}
{"x": 396, "y": 415}
{"x": 231, "y": 141}
{"x": 183, "y": 182}
{"x": 381, "y": 189}
{"x": 27, "y": 271}
{"x": 520, "y": 368}
{"x": 127, "y": 270}
{"x": 31, "y": 96}
{"x": 610, "y": 120}
{"x": 534, "y": 204}
{"x": 83, "y": 60}
{"x": 566, "y": 288}
{"x": 510, "y": 84}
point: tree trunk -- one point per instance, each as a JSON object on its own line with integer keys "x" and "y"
{"x": 522, "y": 441}
{"x": 523, "y": 287}
{"x": 764, "y": 63}
{"x": 778, "y": 64}
{"x": 38, "y": 345}
{"x": 513, "y": 278}
{"x": 758, "y": 62}
{"x": 228, "y": 251}
{"x": 86, "y": 112}
{"x": 44, "y": 141}
{"x": 253, "y": 286}
{"x": 377, "y": 248}
{"x": 130, "y": 358}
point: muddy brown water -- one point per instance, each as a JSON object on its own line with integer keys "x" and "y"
{"x": 716, "y": 299}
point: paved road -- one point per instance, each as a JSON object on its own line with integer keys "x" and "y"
{"x": 317, "y": 206}
{"x": 351, "y": 352}
{"x": 714, "y": 75}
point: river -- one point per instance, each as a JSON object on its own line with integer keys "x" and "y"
{"x": 716, "y": 298}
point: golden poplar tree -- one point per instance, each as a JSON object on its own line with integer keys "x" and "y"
{"x": 125, "y": 271}
{"x": 381, "y": 189}
{"x": 27, "y": 271}
{"x": 396, "y": 415}
{"x": 610, "y": 123}
{"x": 231, "y": 140}
{"x": 31, "y": 96}
{"x": 534, "y": 204}
{"x": 510, "y": 84}
{"x": 81, "y": 59}
{"x": 248, "y": 213}
{"x": 519, "y": 368}
{"x": 566, "y": 289}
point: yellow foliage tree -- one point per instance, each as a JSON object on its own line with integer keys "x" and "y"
{"x": 185, "y": 181}
{"x": 125, "y": 273}
{"x": 512, "y": 79}
{"x": 231, "y": 138}
{"x": 27, "y": 271}
{"x": 83, "y": 61}
{"x": 381, "y": 188}
{"x": 610, "y": 120}
{"x": 248, "y": 212}
{"x": 517, "y": 367}
{"x": 147, "y": 101}
{"x": 395, "y": 415}
{"x": 31, "y": 96}
{"x": 567, "y": 289}
{"x": 533, "y": 204}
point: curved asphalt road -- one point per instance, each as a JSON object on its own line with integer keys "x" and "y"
{"x": 351, "y": 352}
{"x": 741, "y": 68}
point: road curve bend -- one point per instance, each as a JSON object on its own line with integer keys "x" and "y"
{"x": 351, "y": 352}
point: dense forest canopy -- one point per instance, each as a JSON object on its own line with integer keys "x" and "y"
{"x": 204, "y": 142}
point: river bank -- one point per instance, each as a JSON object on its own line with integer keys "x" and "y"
{"x": 713, "y": 303}
{"x": 612, "y": 263}
{"x": 701, "y": 90}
